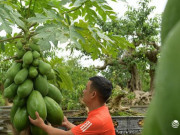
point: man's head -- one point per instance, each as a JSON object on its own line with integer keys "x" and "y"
{"x": 98, "y": 87}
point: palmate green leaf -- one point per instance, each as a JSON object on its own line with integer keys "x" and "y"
{"x": 63, "y": 2}
{"x": 16, "y": 16}
{"x": 92, "y": 44}
{"x": 75, "y": 36}
{"x": 91, "y": 16}
{"x": 63, "y": 37}
{"x": 4, "y": 19}
{"x": 5, "y": 25}
{"x": 78, "y": 3}
{"x": 4, "y": 12}
{"x": 45, "y": 44}
{"x": 51, "y": 32}
{"x": 39, "y": 18}
{"x": 50, "y": 14}
{"x": 121, "y": 42}
{"x": 104, "y": 10}
{"x": 66, "y": 79}
{"x": 74, "y": 15}
{"x": 106, "y": 7}
{"x": 10, "y": 16}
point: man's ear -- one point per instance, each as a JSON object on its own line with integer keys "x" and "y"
{"x": 94, "y": 94}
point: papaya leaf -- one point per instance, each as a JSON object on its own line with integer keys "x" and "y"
{"x": 18, "y": 21}
{"x": 75, "y": 36}
{"x": 39, "y": 18}
{"x": 4, "y": 12}
{"x": 63, "y": 2}
{"x": 52, "y": 32}
{"x": 44, "y": 44}
{"x": 78, "y": 3}
{"x": 106, "y": 7}
{"x": 66, "y": 79}
{"x": 5, "y": 25}
{"x": 50, "y": 14}
{"x": 120, "y": 42}
{"x": 62, "y": 36}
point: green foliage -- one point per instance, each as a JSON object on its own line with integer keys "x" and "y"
{"x": 2, "y": 100}
{"x": 118, "y": 74}
{"x": 79, "y": 76}
{"x": 52, "y": 21}
{"x": 142, "y": 31}
{"x": 63, "y": 79}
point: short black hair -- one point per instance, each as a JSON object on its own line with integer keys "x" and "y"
{"x": 103, "y": 86}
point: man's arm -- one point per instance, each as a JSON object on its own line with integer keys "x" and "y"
{"x": 55, "y": 131}
{"x": 67, "y": 124}
{"x": 49, "y": 129}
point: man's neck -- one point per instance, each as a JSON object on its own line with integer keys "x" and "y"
{"x": 95, "y": 105}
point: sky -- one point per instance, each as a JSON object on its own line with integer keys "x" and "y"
{"x": 120, "y": 7}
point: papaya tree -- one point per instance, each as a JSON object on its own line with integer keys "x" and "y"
{"x": 40, "y": 26}
{"x": 134, "y": 65}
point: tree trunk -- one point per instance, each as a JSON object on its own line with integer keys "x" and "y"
{"x": 134, "y": 82}
{"x": 152, "y": 75}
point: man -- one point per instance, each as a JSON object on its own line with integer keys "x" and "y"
{"x": 98, "y": 122}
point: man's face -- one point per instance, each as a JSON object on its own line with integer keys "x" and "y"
{"x": 86, "y": 93}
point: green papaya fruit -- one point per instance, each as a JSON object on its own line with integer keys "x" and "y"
{"x": 35, "y": 102}
{"x": 44, "y": 67}
{"x": 35, "y": 62}
{"x": 54, "y": 93}
{"x": 170, "y": 18}
{"x": 167, "y": 88}
{"x": 33, "y": 72}
{"x": 13, "y": 70}
{"x": 51, "y": 75}
{"x": 37, "y": 131}
{"x": 21, "y": 76}
{"x": 21, "y": 120}
{"x": 25, "y": 88}
{"x": 10, "y": 91}
{"x": 34, "y": 47}
{"x": 28, "y": 58}
{"x": 41, "y": 85}
{"x": 19, "y": 45}
{"x": 20, "y": 53}
{"x": 13, "y": 112}
{"x": 19, "y": 101}
{"x": 7, "y": 82}
{"x": 36, "y": 55}
{"x": 54, "y": 112}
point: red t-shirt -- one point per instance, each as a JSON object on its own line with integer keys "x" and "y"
{"x": 98, "y": 122}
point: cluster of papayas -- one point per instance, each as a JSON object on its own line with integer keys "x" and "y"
{"x": 27, "y": 86}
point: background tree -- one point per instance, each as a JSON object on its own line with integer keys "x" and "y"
{"x": 134, "y": 66}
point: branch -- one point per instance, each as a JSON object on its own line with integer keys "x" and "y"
{"x": 20, "y": 36}
{"x": 107, "y": 61}
{"x": 75, "y": 8}
{"x": 32, "y": 25}
{"x": 21, "y": 3}
{"x": 18, "y": 61}
{"x": 102, "y": 67}
{"x": 29, "y": 8}
{"x": 154, "y": 45}
{"x": 10, "y": 58}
